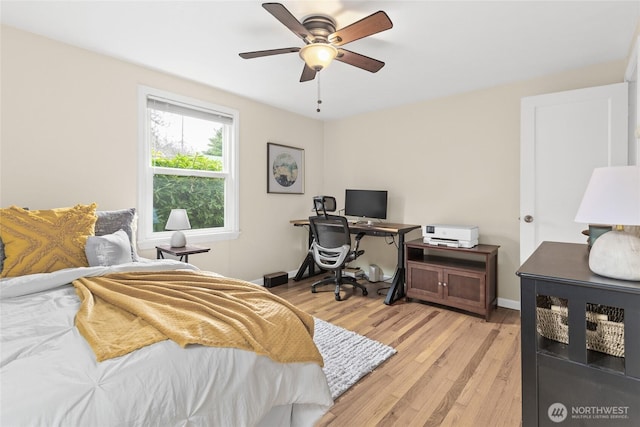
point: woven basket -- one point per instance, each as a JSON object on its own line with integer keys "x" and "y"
{"x": 605, "y": 336}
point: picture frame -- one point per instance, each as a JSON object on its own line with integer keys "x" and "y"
{"x": 285, "y": 169}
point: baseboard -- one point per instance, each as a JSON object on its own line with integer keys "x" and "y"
{"x": 508, "y": 303}
{"x": 260, "y": 281}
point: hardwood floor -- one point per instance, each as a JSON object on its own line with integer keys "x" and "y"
{"x": 451, "y": 369}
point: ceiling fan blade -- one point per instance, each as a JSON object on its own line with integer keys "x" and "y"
{"x": 308, "y": 73}
{"x": 372, "y": 24}
{"x": 283, "y": 15}
{"x": 360, "y": 61}
{"x": 259, "y": 53}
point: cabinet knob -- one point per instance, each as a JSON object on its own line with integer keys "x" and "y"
{"x": 528, "y": 218}
{"x": 444, "y": 284}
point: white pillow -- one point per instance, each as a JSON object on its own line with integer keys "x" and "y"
{"x": 110, "y": 249}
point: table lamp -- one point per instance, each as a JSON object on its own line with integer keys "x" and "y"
{"x": 178, "y": 220}
{"x": 613, "y": 197}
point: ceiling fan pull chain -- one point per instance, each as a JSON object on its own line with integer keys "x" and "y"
{"x": 319, "y": 100}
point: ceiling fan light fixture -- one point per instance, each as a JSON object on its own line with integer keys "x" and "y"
{"x": 318, "y": 56}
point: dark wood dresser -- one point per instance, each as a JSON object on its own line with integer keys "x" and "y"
{"x": 465, "y": 278}
{"x": 569, "y": 384}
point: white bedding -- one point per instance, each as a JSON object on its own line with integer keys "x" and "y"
{"x": 49, "y": 375}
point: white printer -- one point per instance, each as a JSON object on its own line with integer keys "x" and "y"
{"x": 453, "y": 236}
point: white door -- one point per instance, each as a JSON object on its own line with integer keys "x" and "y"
{"x": 564, "y": 136}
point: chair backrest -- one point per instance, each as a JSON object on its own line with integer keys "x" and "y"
{"x": 330, "y": 231}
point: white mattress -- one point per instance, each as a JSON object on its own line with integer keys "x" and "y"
{"x": 50, "y": 376}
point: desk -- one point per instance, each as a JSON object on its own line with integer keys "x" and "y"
{"x": 380, "y": 229}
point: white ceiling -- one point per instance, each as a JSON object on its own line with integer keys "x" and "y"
{"x": 435, "y": 49}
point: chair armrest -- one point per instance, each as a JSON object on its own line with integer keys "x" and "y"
{"x": 359, "y": 236}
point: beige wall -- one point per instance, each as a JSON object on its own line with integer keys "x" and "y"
{"x": 70, "y": 135}
{"x": 451, "y": 160}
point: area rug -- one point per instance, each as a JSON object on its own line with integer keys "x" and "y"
{"x": 348, "y": 356}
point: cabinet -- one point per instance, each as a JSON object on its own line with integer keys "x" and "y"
{"x": 456, "y": 277}
{"x": 569, "y": 383}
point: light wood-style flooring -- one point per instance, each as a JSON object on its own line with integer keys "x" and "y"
{"x": 451, "y": 369}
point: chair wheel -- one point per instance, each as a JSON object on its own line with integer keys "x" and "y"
{"x": 365, "y": 293}
{"x": 338, "y": 297}
{"x": 313, "y": 290}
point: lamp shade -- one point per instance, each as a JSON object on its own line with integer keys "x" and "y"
{"x": 612, "y": 197}
{"x": 178, "y": 220}
{"x": 318, "y": 55}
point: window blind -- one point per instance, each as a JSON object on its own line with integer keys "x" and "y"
{"x": 187, "y": 110}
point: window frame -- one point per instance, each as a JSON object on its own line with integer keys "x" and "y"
{"x": 147, "y": 238}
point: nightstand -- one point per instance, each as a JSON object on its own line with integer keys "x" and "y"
{"x": 182, "y": 252}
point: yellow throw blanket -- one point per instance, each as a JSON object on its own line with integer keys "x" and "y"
{"x": 123, "y": 312}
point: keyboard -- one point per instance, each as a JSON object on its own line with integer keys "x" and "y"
{"x": 364, "y": 223}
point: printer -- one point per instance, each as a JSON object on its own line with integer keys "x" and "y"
{"x": 453, "y": 236}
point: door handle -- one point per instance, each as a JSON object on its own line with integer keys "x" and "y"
{"x": 528, "y": 218}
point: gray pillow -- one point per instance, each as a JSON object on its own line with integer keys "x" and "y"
{"x": 109, "y": 222}
{"x": 110, "y": 249}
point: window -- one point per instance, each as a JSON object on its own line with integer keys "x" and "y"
{"x": 188, "y": 160}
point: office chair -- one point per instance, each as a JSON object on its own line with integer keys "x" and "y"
{"x": 331, "y": 247}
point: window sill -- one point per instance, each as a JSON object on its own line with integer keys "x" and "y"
{"x": 191, "y": 238}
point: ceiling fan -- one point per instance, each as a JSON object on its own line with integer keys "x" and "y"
{"x": 322, "y": 41}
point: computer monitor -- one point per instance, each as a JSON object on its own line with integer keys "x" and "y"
{"x": 366, "y": 203}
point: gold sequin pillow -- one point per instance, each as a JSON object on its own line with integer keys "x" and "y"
{"x": 45, "y": 241}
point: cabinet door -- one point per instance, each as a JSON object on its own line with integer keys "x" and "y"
{"x": 465, "y": 287}
{"x": 424, "y": 281}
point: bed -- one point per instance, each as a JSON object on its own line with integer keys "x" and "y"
{"x": 51, "y": 376}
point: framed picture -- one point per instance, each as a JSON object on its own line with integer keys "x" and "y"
{"x": 285, "y": 169}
